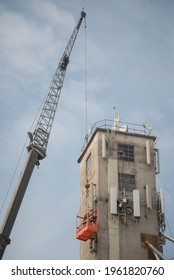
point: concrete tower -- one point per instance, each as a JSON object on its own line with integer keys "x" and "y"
{"x": 117, "y": 177}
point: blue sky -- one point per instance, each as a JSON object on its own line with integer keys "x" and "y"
{"x": 130, "y": 65}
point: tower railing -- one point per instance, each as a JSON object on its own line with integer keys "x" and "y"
{"x": 121, "y": 126}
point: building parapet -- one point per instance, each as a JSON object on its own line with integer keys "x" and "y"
{"x": 120, "y": 126}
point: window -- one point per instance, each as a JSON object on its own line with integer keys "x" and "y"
{"x": 126, "y": 181}
{"x": 88, "y": 165}
{"x": 126, "y": 152}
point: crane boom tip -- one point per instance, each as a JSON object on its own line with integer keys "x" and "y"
{"x": 83, "y": 14}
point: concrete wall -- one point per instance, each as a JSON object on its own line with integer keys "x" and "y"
{"x": 117, "y": 239}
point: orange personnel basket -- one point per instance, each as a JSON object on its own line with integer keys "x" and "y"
{"x": 87, "y": 225}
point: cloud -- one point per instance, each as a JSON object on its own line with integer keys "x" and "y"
{"x": 29, "y": 45}
{"x": 50, "y": 13}
{"x": 129, "y": 64}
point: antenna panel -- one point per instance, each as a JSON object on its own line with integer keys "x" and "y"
{"x": 148, "y": 160}
{"x": 157, "y": 161}
{"x": 113, "y": 200}
{"x": 162, "y": 200}
{"x": 103, "y": 146}
{"x": 149, "y": 196}
{"x": 136, "y": 203}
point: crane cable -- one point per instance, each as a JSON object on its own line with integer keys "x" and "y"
{"x": 10, "y": 185}
{"x": 86, "y": 83}
{"x": 171, "y": 196}
{"x": 36, "y": 117}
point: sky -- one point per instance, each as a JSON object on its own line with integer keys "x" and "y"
{"x": 130, "y": 65}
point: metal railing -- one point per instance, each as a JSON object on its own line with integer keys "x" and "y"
{"x": 158, "y": 255}
{"x": 121, "y": 126}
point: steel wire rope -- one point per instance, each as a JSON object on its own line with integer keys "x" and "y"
{"x": 13, "y": 176}
{"x": 90, "y": 196}
{"x": 86, "y": 81}
{"x": 170, "y": 231}
{"x": 171, "y": 235}
{"x": 86, "y": 98}
{"x": 171, "y": 196}
{"x": 83, "y": 202}
{"x": 87, "y": 195}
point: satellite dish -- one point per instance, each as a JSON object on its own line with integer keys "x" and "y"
{"x": 124, "y": 128}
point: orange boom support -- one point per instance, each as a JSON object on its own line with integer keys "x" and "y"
{"x": 87, "y": 225}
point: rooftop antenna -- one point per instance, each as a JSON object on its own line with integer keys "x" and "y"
{"x": 149, "y": 129}
{"x": 116, "y": 119}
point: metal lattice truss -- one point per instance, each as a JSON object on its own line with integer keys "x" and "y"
{"x": 45, "y": 122}
{"x": 39, "y": 139}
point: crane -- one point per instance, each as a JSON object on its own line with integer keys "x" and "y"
{"x": 38, "y": 140}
